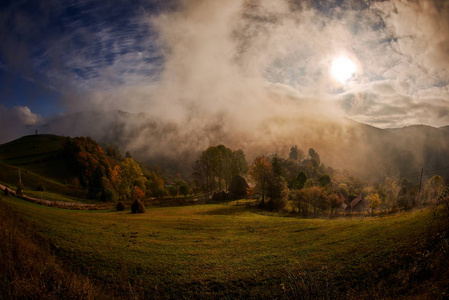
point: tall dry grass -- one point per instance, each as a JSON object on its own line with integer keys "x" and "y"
{"x": 29, "y": 268}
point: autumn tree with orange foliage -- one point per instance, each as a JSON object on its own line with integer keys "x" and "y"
{"x": 88, "y": 161}
{"x": 138, "y": 193}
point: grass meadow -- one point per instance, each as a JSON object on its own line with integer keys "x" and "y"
{"x": 228, "y": 251}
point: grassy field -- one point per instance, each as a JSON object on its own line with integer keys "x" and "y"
{"x": 227, "y": 251}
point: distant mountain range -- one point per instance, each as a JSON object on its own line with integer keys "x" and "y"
{"x": 365, "y": 151}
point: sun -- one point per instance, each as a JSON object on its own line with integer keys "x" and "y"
{"x": 343, "y": 68}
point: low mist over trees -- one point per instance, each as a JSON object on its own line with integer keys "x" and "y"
{"x": 295, "y": 182}
{"x": 305, "y": 185}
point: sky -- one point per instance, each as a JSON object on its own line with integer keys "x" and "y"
{"x": 238, "y": 62}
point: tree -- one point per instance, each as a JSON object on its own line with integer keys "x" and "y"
{"x": 204, "y": 171}
{"x": 173, "y": 190}
{"x": 277, "y": 192}
{"x": 184, "y": 189}
{"x": 294, "y": 153}
{"x": 126, "y": 176}
{"x": 391, "y": 189}
{"x": 407, "y": 195}
{"x": 299, "y": 200}
{"x": 239, "y": 166}
{"x": 324, "y": 180}
{"x": 261, "y": 172}
{"x": 314, "y": 197}
{"x": 88, "y": 161}
{"x": 301, "y": 179}
{"x": 317, "y": 198}
{"x": 138, "y": 193}
{"x": 222, "y": 157}
{"x": 155, "y": 185}
{"x": 108, "y": 194}
{"x": 277, "y": 165}
{"x": 434, "y": 187}
{"x": 314, "y": 156}
{"x": 113, "y": 151}
{"x": 343, "y": 190}
{"x": 335, "y": 202}
{"x": 216, "y": 167}
{"x": 374, "y": 201}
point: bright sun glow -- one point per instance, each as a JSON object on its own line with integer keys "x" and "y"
{"x": 343, "y": 68}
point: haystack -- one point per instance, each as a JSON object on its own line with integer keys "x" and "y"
{"x": 137, "y": 207}
{"x": 238, "y": 187}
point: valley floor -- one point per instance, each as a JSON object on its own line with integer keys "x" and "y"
{"x": 226, "y": 251}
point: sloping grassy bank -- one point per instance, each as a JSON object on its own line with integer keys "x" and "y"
{"x": 224, "y": 251}
{"x": 29, "y": 269}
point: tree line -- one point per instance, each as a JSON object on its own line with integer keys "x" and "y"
{"x": 114, "y": 179}
{"x": 302, "y": 183}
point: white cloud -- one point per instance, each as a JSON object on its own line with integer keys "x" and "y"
{"x": 251, "y": 60}
{"x": 16, "y": 122}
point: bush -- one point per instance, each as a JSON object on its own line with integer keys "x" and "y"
{"x": 109, "y": 195}
{"x": 120, "y": 206}
{"x": 220, "y": 196}
{"x": 40, "y": 187}
{"x": 137, "y": 207}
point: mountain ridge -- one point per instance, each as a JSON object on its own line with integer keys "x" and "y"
{"x": 364, "y": 150}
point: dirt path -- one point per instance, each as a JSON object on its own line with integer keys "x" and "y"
{"x": 59, "y": 204}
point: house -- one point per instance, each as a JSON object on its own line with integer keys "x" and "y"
{"x": 359, "y": 204}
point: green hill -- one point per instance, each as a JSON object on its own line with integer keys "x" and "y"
{"x": 40, "y": 161}
{"x": 41, "y": 154}
{"x": 31, "y": 149}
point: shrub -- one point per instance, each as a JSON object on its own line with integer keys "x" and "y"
{"x": 109, "y": 195}
{"x": 120, "y": 206}
{"x": 137, "y": 207}
{"x": 220, "y": 196}
{"x": 40, "y": 187}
